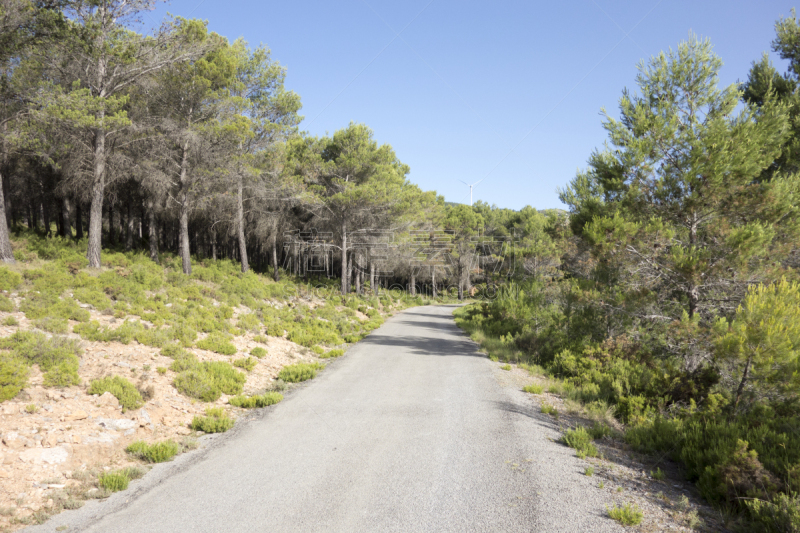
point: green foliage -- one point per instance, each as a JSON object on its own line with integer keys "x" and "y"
{"x": 94, "y": 297}
{"x": 158, "y": 452}
{"x": 215, "y": 421}
{"x": 249, "y": 322}
{"x": 332, "y": 353}
{"x": 62, "y": 375}
{"x": 6, "y": 305}
{"x": 258, "y": 352}
{"x": 249, "y": 402}
{"x": 206, "y": 381}
{"x": 581, "y": 441}
{"x": 53, "y": 325}
{"x": 781, "y": 515}
{"x": 548, "y": 409}
{"x": 533, "y": 389}
{"x": 217, "y": 342}
{"x": 628, "y": 515}
{"x": 248, "y": 363}
{"x": 10, "y": 321}
{"x": 13, "y": 376}
{"x": 505, "y": 367}
{"x": 9, "y": 280}
{"x": 299, "y": 372}
{"x": 589, "y": 471}
{"x": 127, "y": 394}
{"x": 114, "y": 480}
{"x": 658, "y": 474}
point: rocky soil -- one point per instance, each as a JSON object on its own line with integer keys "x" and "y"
{"x": 55, "y": 440}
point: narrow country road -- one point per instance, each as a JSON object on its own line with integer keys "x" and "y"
{"x": 413, "y": 430}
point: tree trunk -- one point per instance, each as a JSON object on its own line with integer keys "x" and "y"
{"x": 345, "y": 269}
{"x": 183, "y": 199}
{"x": 372, "y": 277}
{"x": 78, "y": 220}
{"x": 98, "y": 189}
{"x": 240, "y": 226}
{"x": 275, "y": 272}
{"x": 433, "y": 280}
{"x": 6, "y": 254}
{"x": 413, "y": 287}
{"x": 66, "y": 223}
{"x": 131, "y": 227}
{"x": 740, "y": 390}
{"x": 112, "y": 233}
{"x": 357, "y": 272}
{"x": 460, "y": 280}
{"x": 152, "y": 230}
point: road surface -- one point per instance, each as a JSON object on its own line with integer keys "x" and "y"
{"x": 411, "y": 431}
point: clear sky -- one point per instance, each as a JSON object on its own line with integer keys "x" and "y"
{"x": 508, "y": 92}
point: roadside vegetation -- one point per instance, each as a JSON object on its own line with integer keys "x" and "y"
{"x": 667, "y": 303}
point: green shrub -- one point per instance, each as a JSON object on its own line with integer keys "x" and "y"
{"x": 249, "y": 322}
{"x": 127, "y": 394}
{"x": 13, "y": 376}
{"x": 248, "y": 363}
{"x": 319, "y": 350}
{"x": 332, "y": 353}
{"x": 94, "y": 297}
{"x": 505, "y": 367}
{"x": 158, "y": 452}
{"x": 299, "y": 372}
{"x": 6, "y": 305}
{"x": 589, "y": 471}
{"x": 216, "y": 342}
{"x": 249, "y": 402}
{"x": 533, "y": 389}
{"x": 10, "y": 321}
{"x": 629, "y": 515}
{"x": 52, "y": 324}
{"x": 9, "y": 280}
{"x": 258, "y": 351}
{"x": 598, "y": 431}
{"x": 581, "y": 441}
{"x": 114, "y": 481}
{"x": 261, "y": 338}
{"x": 63, "y": 375}
{"x": 185, "y": 361}
{"x": 196, "y": 383}
{"x": 215, "y": 421}
{"x": 208, "y": 380}
{"x": 549, "y": 409}
{"x": 781, "y": 515}
{"x": 175, "y": 351}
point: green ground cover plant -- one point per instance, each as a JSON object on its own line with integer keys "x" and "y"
{"x": 299, "y": 372}
{"x": 250, "y": 402}
{"x": 215, "y": 421}
{"x": 158, "y": 452}
{"x": 128, "y": 395}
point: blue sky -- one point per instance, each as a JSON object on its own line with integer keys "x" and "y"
{"x": 506, "y": 92}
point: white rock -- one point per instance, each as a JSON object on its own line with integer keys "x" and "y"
{"x": 51, "y": 456}
{"x": 120, "y": 424}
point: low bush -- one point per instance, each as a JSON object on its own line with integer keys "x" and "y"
{"x": 629, "y": 515}
{"x": 9, "y": 280}
{"x": 249, "y": 402}
{"x": 781, "y": 515}
{"x": 208, "y": 380}
{"x": 332, "y": 353}
{"x": 10, "y": 321}
{"x": 581, "y": 441}
{"x": 114, "y": 480}
{"x": 533, "y": 389}
{"x": 62, "y": 375}
{"x": 6, "y": 305}
{"x": 158, "y": 452}
{"x": 258, "y": 351}
{"x": 127, "y": 394}
{"x": 215, "y": 421}
{"x": 13, "y": 376}
{"x": 217, "y": 342}
{"x": 549, "y": 409}
{"x": 248, "y": 363}
{"x": 299, "y": 372}
{"x": 52, "y": 324}
{"x": 598, "y": 431}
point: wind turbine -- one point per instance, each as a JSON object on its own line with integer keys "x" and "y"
{"x": 470, "y": 188}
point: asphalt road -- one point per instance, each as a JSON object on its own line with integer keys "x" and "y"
{"x": 413, "y": 430}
